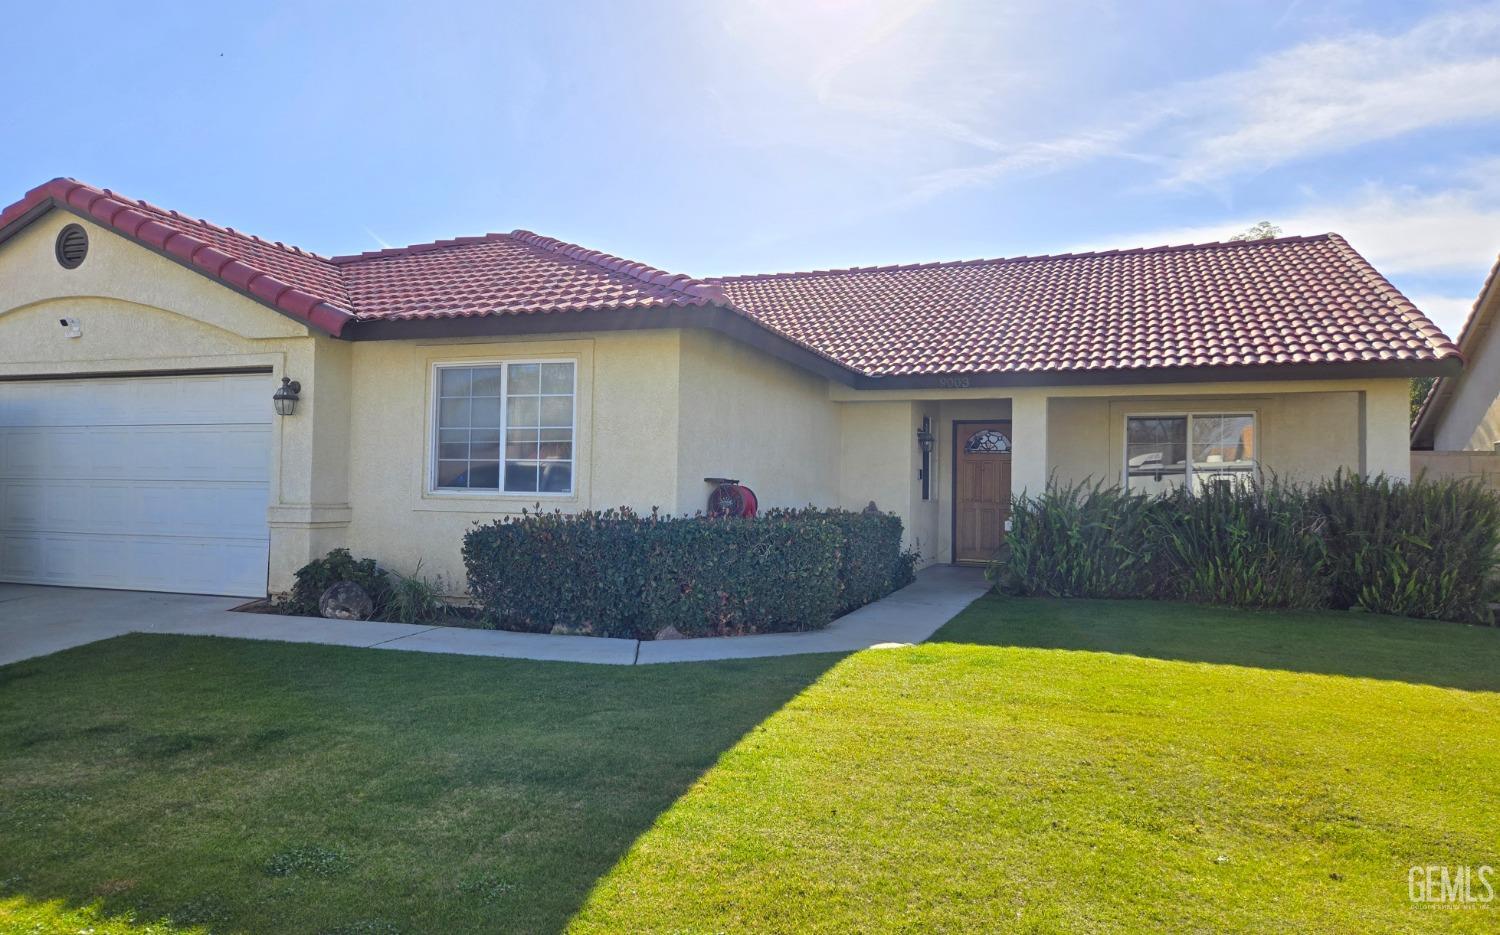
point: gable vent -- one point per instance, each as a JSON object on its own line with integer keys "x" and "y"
{"x": 72, "y": 246}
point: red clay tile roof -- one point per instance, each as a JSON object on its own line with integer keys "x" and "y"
{"x": 516, "y": 273}
{"x": 1294, "y": 300}
{"x": 300, "y": 284}
{"x": 497, "y": 274}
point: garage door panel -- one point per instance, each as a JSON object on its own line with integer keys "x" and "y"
{"x": 143, "y": 483}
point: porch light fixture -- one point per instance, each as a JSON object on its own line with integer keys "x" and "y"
{"x": 286, "y": 397}
{"x": 924, "y": 443}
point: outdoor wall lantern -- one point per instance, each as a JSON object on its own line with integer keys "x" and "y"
{"x": 285, "y": 398}
{"x": 924, "y": 442}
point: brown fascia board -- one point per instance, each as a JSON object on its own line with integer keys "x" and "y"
{"x": 715, "y": 318}
{"x": 747, "y": 331}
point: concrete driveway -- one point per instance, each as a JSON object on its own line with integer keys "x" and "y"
{"x": 35, "y": 621}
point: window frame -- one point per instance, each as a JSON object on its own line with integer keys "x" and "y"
{"x": 434, "y": 416}
{"x": 1188, "y": 415}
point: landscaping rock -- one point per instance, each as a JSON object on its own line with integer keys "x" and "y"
{"x": 670, "y": 633}
{"x": 346, "y": 601}
{"x": 564, "y": 629}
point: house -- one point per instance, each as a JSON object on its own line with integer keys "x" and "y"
{"x": 1462, "y": 410}
{"x": 432, "y": 386}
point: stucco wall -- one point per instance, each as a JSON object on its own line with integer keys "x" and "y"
{"x": 1301, "y": 437}
{"x": 626, "y": 441}
{"x": 1483, "y": 466}
{"x": 1472, "y": 419}
{"x": 749, "y": 416}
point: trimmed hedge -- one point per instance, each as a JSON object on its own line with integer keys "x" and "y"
{"x": 1419, "y": 549}
{"x": 616, "y": 573}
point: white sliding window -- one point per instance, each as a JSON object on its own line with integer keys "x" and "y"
{"x": 1164, "y": 452}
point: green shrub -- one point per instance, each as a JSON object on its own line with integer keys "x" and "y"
{"x": 872, "y": 563}
{"x": 722, "y": 577}
{"x": 320, "y": 574}
{"x": 1081, "y": 541}
{"x": 583, "y": 571}
{"x": 616, "y": 573}
{"x": 1420, "y": 549}
{"x": 1424, "y": 549}
{"x": 1244, "y": 546}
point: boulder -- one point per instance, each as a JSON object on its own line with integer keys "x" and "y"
{"x": 346, "y": 601}
{"x": 568, "y": 629}
{"x": 670, "y": 633}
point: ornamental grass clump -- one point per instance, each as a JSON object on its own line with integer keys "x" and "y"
{"x": 1423, "y": 549}
{"x": 1419, "y": 549}
{"x": 1082, "y": 540}
{"x": 1244, "y": 545}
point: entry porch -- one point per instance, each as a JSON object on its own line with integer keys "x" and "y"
{"x": 969, "y": 452}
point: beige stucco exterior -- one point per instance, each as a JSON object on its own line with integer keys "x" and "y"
{"x": 657, "y": 411}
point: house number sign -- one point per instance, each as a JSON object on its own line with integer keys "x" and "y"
{"x": 953, "y": 383}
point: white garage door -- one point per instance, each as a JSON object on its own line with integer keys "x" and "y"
{"x": 143, "y": 483}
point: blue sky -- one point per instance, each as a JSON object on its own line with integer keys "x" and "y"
{"x": 746, "y": 136}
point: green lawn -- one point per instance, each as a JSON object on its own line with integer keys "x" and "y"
{"x": 1043, "y": 765}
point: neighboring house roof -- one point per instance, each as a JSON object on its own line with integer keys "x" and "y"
{"x": 1293, "y": 300}
{"x": 1440, "y": 395}
{"x": 1307, "y": 305}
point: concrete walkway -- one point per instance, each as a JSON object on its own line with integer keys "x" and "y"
{"x": 35, "y": 621}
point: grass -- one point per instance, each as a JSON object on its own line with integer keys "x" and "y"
{"x": 1040, "y": 766}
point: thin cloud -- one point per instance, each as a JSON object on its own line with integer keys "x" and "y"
{"x": 1310, "y": 100}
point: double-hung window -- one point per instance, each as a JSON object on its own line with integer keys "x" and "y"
{"x": 505, "y": 427}
{"x": 1196, "y": 450}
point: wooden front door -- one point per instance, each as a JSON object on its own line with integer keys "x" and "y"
{"x": 981, "y": 489}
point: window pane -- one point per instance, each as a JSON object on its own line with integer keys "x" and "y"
{"x": 525, "y": 378}
{"x": 521, "y": 476}
{"x": 523, "y": 449}
{"x": 1155, "y": 452}
{"x": 453, "y": 450}
{"x": 557, "y": 410}
{"x": 484, "y": 475}
{"x": 486, "y": 411}
{"x": 557, "y": 378}
{"x": 484, "y": 451}
{"x": 486, "y": 381}
{"x": 555, "y": 451}
{"x": 453, "y": 413}
{"x": 453, "y": 473}
{"x": 454, "y": 381}
{"x": 557, "y": 478}
{"x": 1223, "y": 439}
{"x": 480, "y": 436}
{"x": 524, "y": 410}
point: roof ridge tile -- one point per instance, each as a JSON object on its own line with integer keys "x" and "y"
{"x": 697, "y": 291}
{"x": 1024, "y": 258}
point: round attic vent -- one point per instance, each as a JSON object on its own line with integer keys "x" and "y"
{"x": 72, "y": 246}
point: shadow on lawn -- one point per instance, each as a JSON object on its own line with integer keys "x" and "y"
{"x": 255, "y": 787}
{"x": 1425, "y": 652}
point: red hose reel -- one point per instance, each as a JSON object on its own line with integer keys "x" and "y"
{"x": 730, "y": 498}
